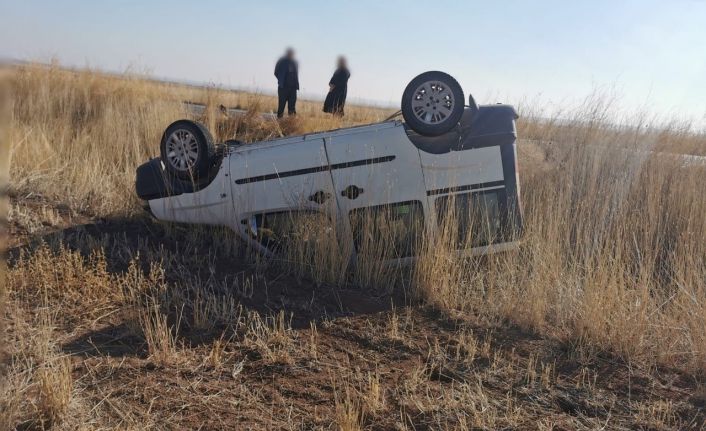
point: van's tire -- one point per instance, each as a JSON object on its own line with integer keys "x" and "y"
{"x": 187, "y": 150}
{"x": 432, "y": 103}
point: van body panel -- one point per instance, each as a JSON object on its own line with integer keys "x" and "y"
{"x": 293, "y": 174}
{"x": 397, "y": 178}
{"x": 318, "y": 135}
{"x": 389, "y": 173}
{"x": 210, "y": 205}
{"x": 461, "y": 168}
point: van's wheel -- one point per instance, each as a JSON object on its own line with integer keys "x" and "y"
{"x": 432, "y": 103}
{"x": 186, "y": 149}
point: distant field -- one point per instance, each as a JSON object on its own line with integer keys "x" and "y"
{"x": 115, "y": 321}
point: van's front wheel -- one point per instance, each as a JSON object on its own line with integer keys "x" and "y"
{"x": 432, "y": 103}
{"x": 186, "y": 149}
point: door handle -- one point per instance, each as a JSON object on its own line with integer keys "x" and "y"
{"x": 352, "y": 192}
{"x": 320, "y": 197}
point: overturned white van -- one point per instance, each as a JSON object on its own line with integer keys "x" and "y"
{"x": 446, "y": 159}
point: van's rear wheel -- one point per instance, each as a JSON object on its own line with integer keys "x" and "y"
{"x": 432, "y": 103}
{"x": 186, "y": 149}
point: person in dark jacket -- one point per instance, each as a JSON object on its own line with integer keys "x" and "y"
{"x": 287, "y": 73}
{"x": 338, "y": 88}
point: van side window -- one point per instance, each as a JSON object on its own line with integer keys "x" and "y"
{"x": 471, "y": 219}
{"x": 277, "y": 230}
{"x": 390, "y": 231}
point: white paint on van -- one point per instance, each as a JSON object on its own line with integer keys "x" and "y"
{"x": 459, "y": 168}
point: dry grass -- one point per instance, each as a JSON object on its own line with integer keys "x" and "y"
{"x": 12, "y": 382}
{"x": 159, "y": 335}
{"x": 118, "y": 322}
{"x": 78, "y": 137}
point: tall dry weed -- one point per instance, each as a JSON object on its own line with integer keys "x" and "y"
{"x": 614, "y": 248}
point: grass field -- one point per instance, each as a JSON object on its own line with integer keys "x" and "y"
{"x": 112, "y": 320}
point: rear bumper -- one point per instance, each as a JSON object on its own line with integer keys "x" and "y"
{"x": 153, "y": 182}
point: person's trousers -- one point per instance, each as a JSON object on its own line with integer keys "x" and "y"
{"x": 287, "y": 96}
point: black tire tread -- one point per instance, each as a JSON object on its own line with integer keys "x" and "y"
{"x": 207, "y": 150}
{"x": 432, "y": 129}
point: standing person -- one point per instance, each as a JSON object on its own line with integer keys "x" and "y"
{"x": 338, "y": 88}
{"x": 287, "y": 73}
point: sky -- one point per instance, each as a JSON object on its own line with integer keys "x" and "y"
{"x": 649, "y": 54}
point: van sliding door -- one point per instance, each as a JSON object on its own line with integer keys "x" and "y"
{"x": 277, "y": 187}
{"x": 380, "y": 191}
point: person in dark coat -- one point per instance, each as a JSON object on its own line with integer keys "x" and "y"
{"x": 287, "y": 74}
{"x": 338, "y": 88}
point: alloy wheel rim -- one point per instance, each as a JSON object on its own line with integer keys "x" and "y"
{"x": 182, "y": 150}
{"x": 433, "y": 102}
